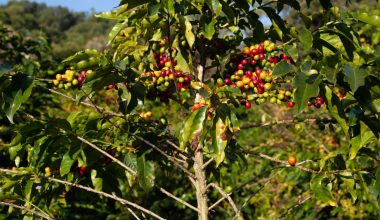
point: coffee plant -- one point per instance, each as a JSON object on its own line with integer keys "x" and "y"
{"x": 193, "y": 110}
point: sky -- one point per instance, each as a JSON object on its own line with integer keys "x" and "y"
{"x": 80, "y": 5}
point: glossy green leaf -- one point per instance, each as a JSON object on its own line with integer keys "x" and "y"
{"x": 370, "y": 19}
{"x": 116, "y": 30}
{"x": 229, "y": 89}
{"x": 377, "y": 182}
{"x": 96, "y": 181}
{"x": 320, "y": 191}
{"x": 16, "y": 94}
{"x": 360, "y": 140}
{"x": 115, "y": 14}
{"x": 219, "y": 140}
{"x": 190, "y": 37}
{"x": 182, "y": 63}
{"x": 350, "y": 182}
{"x": 330, "y": 73}
{"x": 169, "y": 6}
{"x": 306, "y": 88}
{"x": 336, "y": 110}
{"x": 68, "y": 160}
{"x": 145, "y": 173}
{"x": 282, "y": 69}
{"x": 215, "y": 6}
{"x": 192, "y": 128}
{"x": 209, "y": 29}
{"x": 306, "y": 38}
{"x": 354, "y": 77}
{"x": 133, "y": 3}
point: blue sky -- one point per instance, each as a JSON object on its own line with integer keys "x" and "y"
{"x": 80, "y": 5}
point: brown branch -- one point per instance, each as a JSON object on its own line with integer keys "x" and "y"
{"x": 114, "y": 197}
{"x": 82, "y": 102}
{"x": 226, "y": 196}
{"x": 298, "y": 166}
{"x": 178, "y": 199}
{"x": 261, "y": 187}
{"x": 295, "y": 206}
{"x": 133, "y": 213}
{"x": 208, "y": 162}
{"x": 123, "y": 201}
{"x": 281, "y": 122}
{"x": 185, "y": 170}
{"x": 26, "y": 209}
{"x": 103, "y": 152}
{"x": 100, "y": 110}
{"x": 145, "y": 141}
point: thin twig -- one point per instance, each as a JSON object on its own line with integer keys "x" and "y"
{"x": 208, "y": 162}
{"x": 298, "y": 166}
{"x": 145, "y": 141}
{"x": 281, "y": 122}
{"x": 26, "y": 209}
{"x": 177, "y": 148}
{"x": 114, "y": 197}
{"x": 133, "y": 213}
{"x": 185, "y": 170}
{"x": 178, "y": 199}
{"x": 241, "y": 186}
{"x": 103, "y": 152}
{"x": 82, "y": 102}
{"x": 226, "y": 196}
{"x": 295, "y": 206}
{"x": 261, "y": 187}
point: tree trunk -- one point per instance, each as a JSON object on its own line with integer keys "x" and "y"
{"x": 201, "y": 185}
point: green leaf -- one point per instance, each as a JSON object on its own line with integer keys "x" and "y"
{"x": 330, "y": 73}
{"x": 182, "y": 63}
{"x": 169, "y": 5}
{"x": 234, "y": 91}
{"x": 360, "y": 140}
{"x": 306, "y": 38}
{"x": 116, "y": 30}
{"x": 335, "y": 109}
{"x": 133, "y": 3}
{"x": 145, "y": 173}
{"x": 350, "y": 182}
{"x": 190, "y": 37}
{"x": 157, "y": 36}
{"x": 192, "y": 128}
{"x": 282, "y": 68}
{"x": 369, "y": 19}
{"x": 68, "y": 160}
{"x": 377, "y": 182}
{"x": 38, "y": 153}
{"x": 306, "y": 88}
{"x": 96, "y": 181}
{"x": 115, "y": 14}
{"x": 354, "y": 77}
{"x": 215, "y": 6}
{"x": 320, "y": 191}
{"x": 219, "y": 140}
{"x": 16, "y": 94}
{"x": 209, "y": 29}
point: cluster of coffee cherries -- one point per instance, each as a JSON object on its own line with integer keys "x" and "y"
{"x": 66, "y": 80}
{"x": 253, "y": 75}
{"x": 146, "y": 115}
{"x": 165, "y": 74}
{"x": 316, "y": 102}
